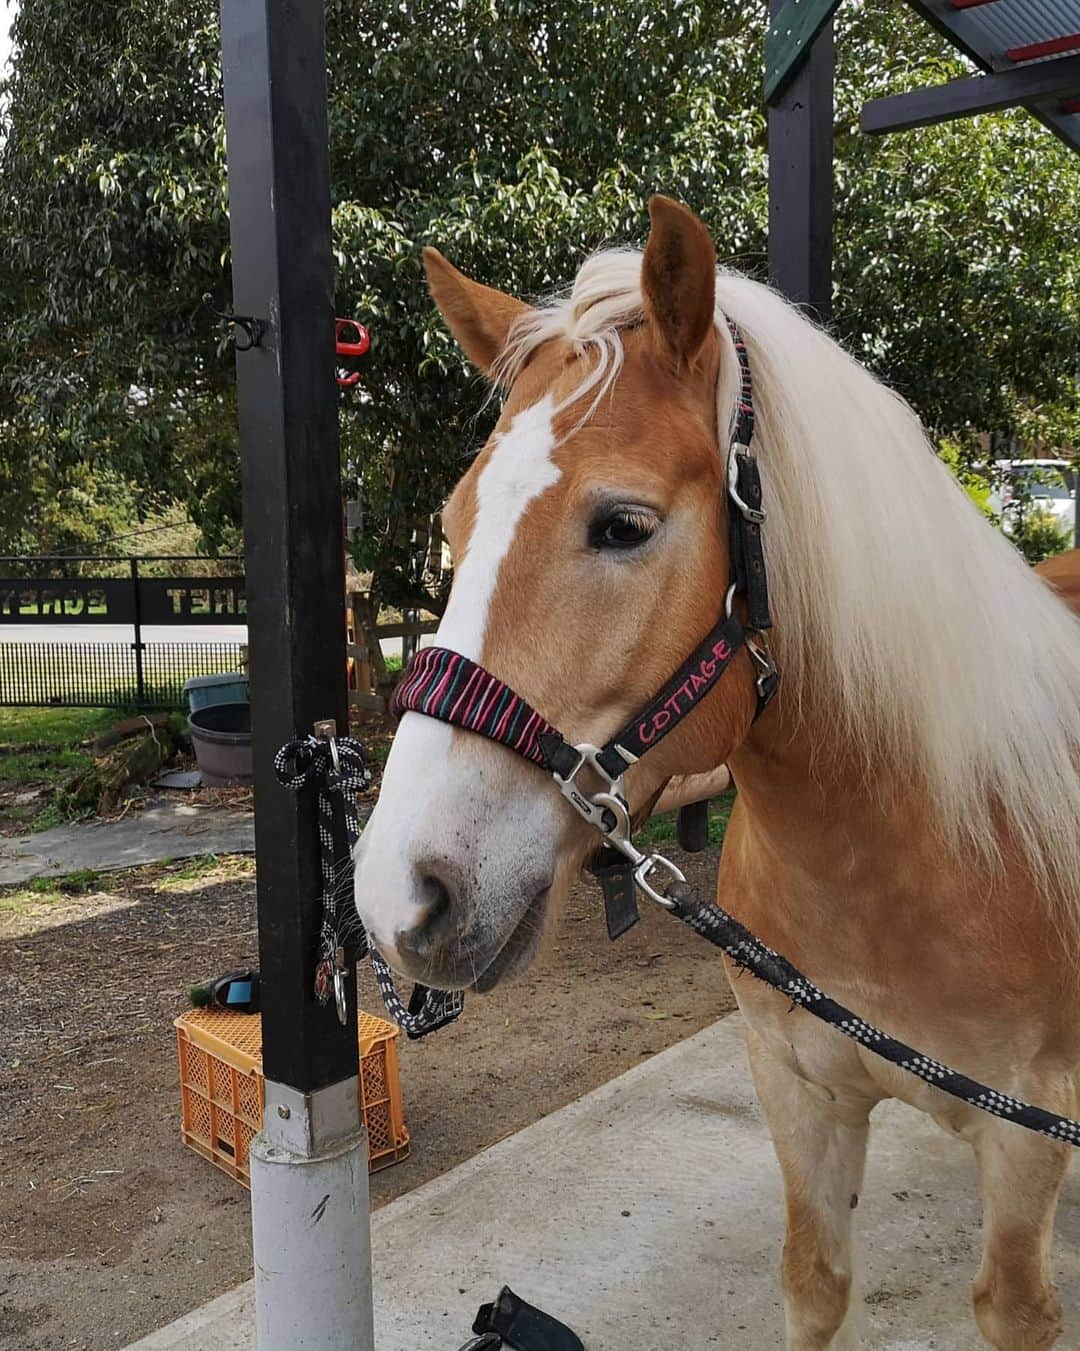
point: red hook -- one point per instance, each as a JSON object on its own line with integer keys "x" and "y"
{"x": 350, "y": 348}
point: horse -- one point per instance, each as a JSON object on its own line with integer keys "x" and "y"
{"x": 907, "y": 824}
{"x": 1062, "y": 571}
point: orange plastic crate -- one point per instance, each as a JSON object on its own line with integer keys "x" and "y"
{"x": 222, "y": 1096}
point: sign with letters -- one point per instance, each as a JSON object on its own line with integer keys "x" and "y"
{"x": 192, "y": 600}
{"x": 112, "y": 600}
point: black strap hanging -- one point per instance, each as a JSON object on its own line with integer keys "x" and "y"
{"x": 745, "y": 518}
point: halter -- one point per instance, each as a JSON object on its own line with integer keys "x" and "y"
{"x": 445, "y": 685}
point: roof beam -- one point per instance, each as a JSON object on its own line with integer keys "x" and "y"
{"x": 1035, "y": 51}
{"x": 977, "y": 94}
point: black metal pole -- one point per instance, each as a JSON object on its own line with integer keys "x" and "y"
{"x": 136, "y": 602}
{"x": 801, "y": 180}
{"x": 279, "y": 205}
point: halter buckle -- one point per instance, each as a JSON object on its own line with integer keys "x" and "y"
{"x": 605, "y": 811}
{"x": 609, "y": 812}
{"x": 757, "y": 645}
{"x": 753, "y": 514}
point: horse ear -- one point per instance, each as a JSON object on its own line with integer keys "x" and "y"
{"x": 678, "y": 278}
{"x": 478, "y": 316}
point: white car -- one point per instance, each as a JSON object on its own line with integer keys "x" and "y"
{"x": 1041, "y": 485}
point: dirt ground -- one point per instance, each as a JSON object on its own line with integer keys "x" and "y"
{"x": 110, "y": 1228}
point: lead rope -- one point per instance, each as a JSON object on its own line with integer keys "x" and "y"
{"x": 751, "y": 954}
{"x": 338, "y": 767}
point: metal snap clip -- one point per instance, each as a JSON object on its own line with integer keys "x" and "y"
{"x": 340, "y": 1000}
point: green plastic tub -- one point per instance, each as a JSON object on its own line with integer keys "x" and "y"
{"x": 205, "y": 691}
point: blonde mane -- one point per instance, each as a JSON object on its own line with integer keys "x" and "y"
{"x": 941, "y": 649}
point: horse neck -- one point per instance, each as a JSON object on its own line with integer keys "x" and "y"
{"x": 839, "y": 864}
{"x": 846, "y": 827}
{"x": 799, "y": 777}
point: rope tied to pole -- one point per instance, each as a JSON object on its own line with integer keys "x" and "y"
{"x": 337, "y": 767}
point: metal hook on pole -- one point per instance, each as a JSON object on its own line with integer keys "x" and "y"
{"x": 252, "y": 328}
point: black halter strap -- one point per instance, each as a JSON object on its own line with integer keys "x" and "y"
{"x": 744, "y": 492}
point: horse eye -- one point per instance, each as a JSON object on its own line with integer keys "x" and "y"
{"x": 622, "y": 530}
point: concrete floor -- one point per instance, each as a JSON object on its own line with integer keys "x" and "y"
{"x": 648, "y": 1214}
{"x": 165, "y": 829}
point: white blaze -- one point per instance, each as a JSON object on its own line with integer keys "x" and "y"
{"x": 519, "y": 469}
{"x": 423, "y": 786}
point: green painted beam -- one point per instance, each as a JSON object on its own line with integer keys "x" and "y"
{"x": 791, "y": 35}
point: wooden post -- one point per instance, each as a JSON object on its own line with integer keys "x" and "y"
{"x": 801, "y": 178}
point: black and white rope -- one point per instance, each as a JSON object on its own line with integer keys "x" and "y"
{"x": 427, "y": 1010}
{"x": 751, "y": 954}
{"x": 339, "y": 770}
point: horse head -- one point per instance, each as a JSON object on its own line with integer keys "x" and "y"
{"x": 590, "y": 545}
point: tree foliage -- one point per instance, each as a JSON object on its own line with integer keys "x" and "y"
{"x": 958, "y": 250}
{"x": 517, "y": 135}
{"x": 112, "y": 225}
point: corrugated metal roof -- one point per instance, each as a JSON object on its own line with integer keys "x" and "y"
{"x": 988, "y": 32}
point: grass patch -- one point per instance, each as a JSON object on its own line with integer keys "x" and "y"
{"x": 21, "y": 899}
{"x": 42, "y": 766}
{"x": 55, "y": 726}
{"x": 662, "y": 830}
{"x": 72, "y": 884}
{"x": 191, "y": 873}
{"x": 42, "y": 748}
{"x": 50, "y": 890}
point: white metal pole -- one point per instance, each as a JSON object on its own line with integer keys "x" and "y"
{"x": 309, "y": 1222}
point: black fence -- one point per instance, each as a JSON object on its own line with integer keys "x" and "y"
{"x": 136, "y": 674}
{"x": 106, "y": 675}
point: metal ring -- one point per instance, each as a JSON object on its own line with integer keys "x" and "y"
{"x": 649, "y": 865}
{"x": 339, "y": 996}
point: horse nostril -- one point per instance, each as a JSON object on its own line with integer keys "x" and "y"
{"x": 436, "y": 922}
{"x": 437, "y": 900}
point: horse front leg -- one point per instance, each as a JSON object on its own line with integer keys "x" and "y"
{"x": 821, "y": 1146}
{"x": 1021, "y": 1174}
